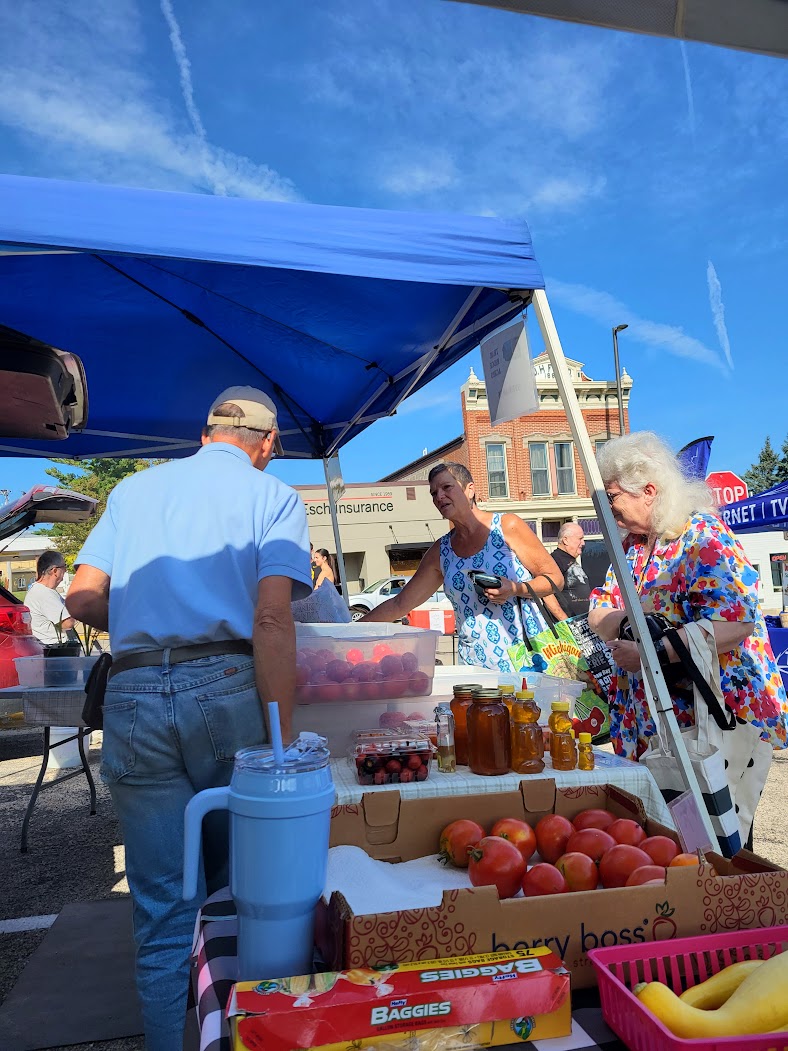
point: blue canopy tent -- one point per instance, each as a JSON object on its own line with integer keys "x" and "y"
{"x": 767, "y": 510}
{"x": 338, "y": 313}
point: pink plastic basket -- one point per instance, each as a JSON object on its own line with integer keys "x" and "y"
{"x": 679, "y": 963}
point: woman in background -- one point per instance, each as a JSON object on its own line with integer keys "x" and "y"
{"x": 325, "y": 566}
{"x": 492, "y": 620}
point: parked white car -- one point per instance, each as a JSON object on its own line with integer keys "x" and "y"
{"x": 373, "y": 595}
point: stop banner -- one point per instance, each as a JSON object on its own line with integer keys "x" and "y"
{"x": 727, "y": 487}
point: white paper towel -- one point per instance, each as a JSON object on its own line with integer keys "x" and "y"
{"x": 378, "y": 886}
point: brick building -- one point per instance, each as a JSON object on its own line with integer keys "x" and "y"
{"x": 530, "y": 465}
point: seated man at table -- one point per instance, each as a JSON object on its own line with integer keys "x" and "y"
{"x": 193, "y": 567}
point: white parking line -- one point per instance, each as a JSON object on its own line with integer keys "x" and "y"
{"x": 27, "y": 923}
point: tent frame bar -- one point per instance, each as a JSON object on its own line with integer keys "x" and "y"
{"x": 659, "y": 700}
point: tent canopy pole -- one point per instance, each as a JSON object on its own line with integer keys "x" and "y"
{"x": 660, "y": 703}
{"x": 332, "y": 506}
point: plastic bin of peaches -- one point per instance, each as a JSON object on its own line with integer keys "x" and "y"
{"x": 328, "y": 670}
{"x": 596, "y": 849}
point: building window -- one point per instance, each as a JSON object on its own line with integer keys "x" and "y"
{"x": 590, "y": 526}
{"x": 564, "y": 468}
{"x": 532, "y": 527}
{"x": 496, "y": 472}
{"x": 550, "y": 530}
{"x": 410, "y": 492}
{"x": 599, "y": 445}
{"x": 540, "y": 472}
{"x": 777, "y": 571}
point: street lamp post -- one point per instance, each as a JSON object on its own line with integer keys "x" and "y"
{"x": 616, "y": 330}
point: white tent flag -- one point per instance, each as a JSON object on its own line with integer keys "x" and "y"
{"x": 509, "y": 374}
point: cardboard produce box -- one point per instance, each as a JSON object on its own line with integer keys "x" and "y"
{"x": 732, "y": 895}
{"x": 489, "y": 1000}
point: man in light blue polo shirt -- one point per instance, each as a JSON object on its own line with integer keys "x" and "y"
{"x": 192, "y": 567}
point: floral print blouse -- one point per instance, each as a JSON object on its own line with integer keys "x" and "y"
{"x": 703, "y": 575}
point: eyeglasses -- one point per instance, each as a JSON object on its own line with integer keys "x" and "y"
{"x": 612, "y": 497}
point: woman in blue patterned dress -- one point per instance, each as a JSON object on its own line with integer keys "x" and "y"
{"x": 502, "y": 545}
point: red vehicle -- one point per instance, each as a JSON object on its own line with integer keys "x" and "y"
{"x": 44, "y": 503}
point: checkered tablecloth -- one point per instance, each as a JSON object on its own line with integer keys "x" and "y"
{"x": 213, "y": 974}
{"x": 608, "y": 768}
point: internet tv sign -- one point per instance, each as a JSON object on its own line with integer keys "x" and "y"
{"x": 727, "y": 487}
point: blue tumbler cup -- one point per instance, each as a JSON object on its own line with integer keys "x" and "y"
{"x": 279, "y": 830}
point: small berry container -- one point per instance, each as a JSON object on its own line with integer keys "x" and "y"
{"x": 388, "y": 757}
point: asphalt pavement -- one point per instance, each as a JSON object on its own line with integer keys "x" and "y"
{"x": 75, "y": 857}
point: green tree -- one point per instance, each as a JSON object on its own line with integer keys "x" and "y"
{"x": 766, "y": 472}
{"x": 783, "y": 465}
{"x": 96, "y": 478}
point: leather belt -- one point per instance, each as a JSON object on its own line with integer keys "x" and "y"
{"x": 179, "y": 654}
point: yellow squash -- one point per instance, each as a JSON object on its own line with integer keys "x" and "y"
{"x": 759, "y": 1005}
{"x": 715, "y": 991}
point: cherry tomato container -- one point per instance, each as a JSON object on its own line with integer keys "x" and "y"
{"x": 386, "y": 757}
{"x": 340, "y": 663}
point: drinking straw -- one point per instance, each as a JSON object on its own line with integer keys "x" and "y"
{"x": 276, "y": 732}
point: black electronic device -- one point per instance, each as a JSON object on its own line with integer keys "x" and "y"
{"x": 482, "y": 581}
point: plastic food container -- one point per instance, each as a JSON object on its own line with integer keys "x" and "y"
{"x": 339, "y": 722}
{"x": 64, "y": 672}
{"x": 342, "y": 663}
{"x": 386, "y": 757}
{"x": 679, "y": 963}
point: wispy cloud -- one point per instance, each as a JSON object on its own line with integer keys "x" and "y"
{"x": 74, "y": 86}
{"x": 606, "y": 309}
{"x": 187, "y": 90}
{"x": 718, "y": 312}
{"x": 509, "y": 113}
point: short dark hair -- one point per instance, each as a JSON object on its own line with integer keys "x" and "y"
{"x": 458, "y": 471}
{"x": 49, "y": 560}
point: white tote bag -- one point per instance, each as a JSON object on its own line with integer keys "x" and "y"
{"x": 707, "y": 746}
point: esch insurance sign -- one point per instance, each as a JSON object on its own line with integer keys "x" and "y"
{"x": 353, "y": 506}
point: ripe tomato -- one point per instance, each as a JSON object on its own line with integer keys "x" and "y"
{"x": 391, "y": 666}
{"x": 354, "y": 656}
{"x": 591, "y": 841}
{"x": 646, "y": 874}
{"x": 543, "y": 879}
{"x": 660, "y": 849}
{"x": 578, "y": 870}
{"x": 594, "y": 819}
{"x": 494, "y": 862}
{"x": 456, "y": 840}
{"x": 518, "y": 833}
{"x": 419, "y": 684}
{"x": 381, "y": 650}
{"x": 683, "y": 859}
{"x": 626, "y": 831}
{"x": 619, "y": 863}
{"x": 552, "y": 835}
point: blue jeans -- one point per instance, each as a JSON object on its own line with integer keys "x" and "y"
{"x": 169, "y": 732}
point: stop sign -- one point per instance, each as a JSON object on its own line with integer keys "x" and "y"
{"x": 727, "y": 487}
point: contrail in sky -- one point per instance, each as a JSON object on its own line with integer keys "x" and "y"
{"x": 688, "y": 86}
{"x": 718, "y": 311}
{"x": 187, "y": 90}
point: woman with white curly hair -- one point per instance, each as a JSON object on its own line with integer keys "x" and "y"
{"x": 687, "y": 566}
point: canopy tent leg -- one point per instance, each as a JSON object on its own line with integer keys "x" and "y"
{"x": 332, "y": 505}
{"x": 654, "y": 681}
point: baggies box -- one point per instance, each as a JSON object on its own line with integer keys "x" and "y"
{"x": 733, "y": 895}
{"x": 438, "y": 1000}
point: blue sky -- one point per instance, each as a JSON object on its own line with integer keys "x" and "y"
{"x": 652, "y": 173}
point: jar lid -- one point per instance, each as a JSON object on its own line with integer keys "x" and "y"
{"x": 584, "y": 738}
{"x": 525, "y": 695}
{"x": 506, "y": 688}
{"x": 559, "y": 706}
{"x": 467, "y": 687}
{"x": 484, "y": 693}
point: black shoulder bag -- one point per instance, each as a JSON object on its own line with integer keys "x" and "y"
{"x": 95, "y": 688}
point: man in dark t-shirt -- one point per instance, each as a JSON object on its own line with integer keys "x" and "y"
{"x": 573, "y": 600}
